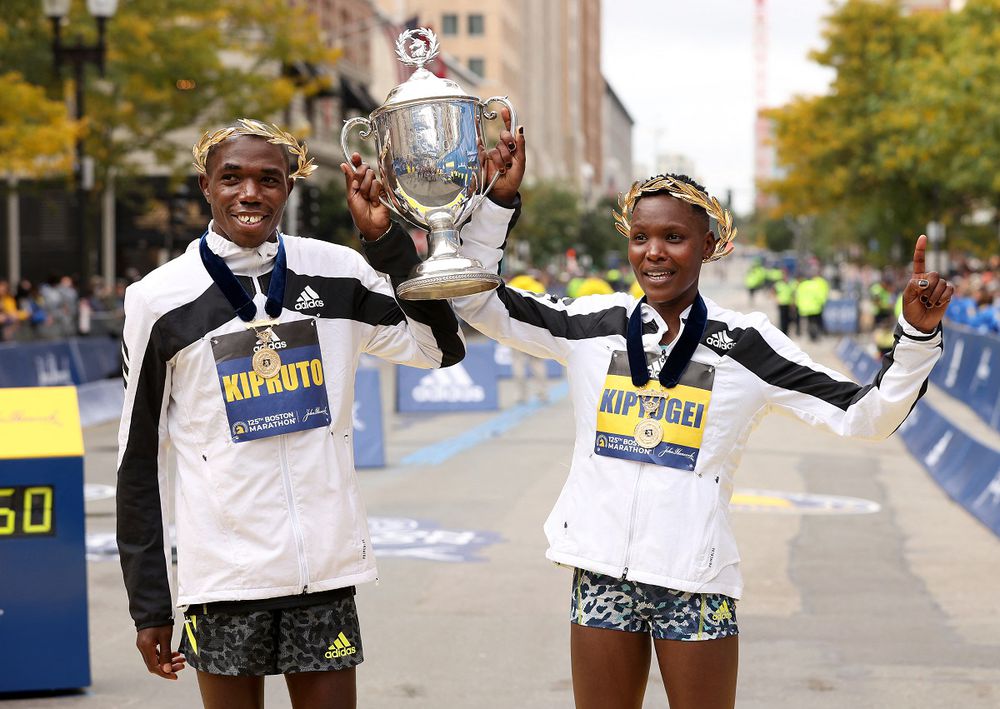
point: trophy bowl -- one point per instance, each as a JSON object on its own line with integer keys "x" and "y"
{"x": 426, "y": 137}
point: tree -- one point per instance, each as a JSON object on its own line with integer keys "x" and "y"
{"x": 598, "y": 237}
{"x": 549, "y": 222}
{"x": 36, "y": 135}
{"x": 171, "y": 65}
{"x": 875, "y": 150}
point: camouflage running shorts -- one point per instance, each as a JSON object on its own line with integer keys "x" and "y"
{"x": 606, "y": 602}
{"x": 269, "y": 642}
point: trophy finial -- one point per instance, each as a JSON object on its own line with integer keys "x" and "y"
{"x": 417, "y": 47}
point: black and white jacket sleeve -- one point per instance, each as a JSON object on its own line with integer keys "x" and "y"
{"x": 143, "y": 445}
{"x": 433, "y": 337}
{"x": 541, "y": 325}
{"x": 790, "y": 382}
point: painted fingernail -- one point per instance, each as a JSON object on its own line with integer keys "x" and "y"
{"x": 502, "y": 171}
{"x": 509, "y": 165}
{"x": 923, "y": 299}
{"x": 923, "y": 283}
{"x": 520, "y": 129}
{"x": 512, "y": 146}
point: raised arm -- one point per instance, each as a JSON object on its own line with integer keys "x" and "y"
{"x": 422, "y": 333}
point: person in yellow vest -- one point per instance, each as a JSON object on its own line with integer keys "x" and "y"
{"x": 881, "y": 297}
{"x": 810, "y": 297}
{"x": 528, "y": 372}
{"x": 756, "y": 278}
{"x": 784, "y": 294}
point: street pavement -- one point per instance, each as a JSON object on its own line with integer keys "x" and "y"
{"x": 898, "y": 607}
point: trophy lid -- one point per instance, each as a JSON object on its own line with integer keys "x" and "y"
{"x": 418, "y": 47}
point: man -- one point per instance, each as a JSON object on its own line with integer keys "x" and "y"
{"x": 239, "y": 359}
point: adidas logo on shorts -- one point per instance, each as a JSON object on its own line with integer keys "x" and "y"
{"x": 341, "y": 647}
{"x": 721, "y": 340}
{"x": 308, "y": 298}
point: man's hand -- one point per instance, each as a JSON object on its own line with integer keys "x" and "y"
{"x": 927, "y": 295}
{"x": 507, "y": 158}
{"x": 371, "y": 217}
{"x": 154, "y": 646}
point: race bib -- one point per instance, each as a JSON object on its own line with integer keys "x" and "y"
{"x": 652, "y": 424}
{"x": 293, "y": 399}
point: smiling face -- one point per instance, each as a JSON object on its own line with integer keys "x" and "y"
{"x": 667, "y": 242}
{"x": 247, "y": 186}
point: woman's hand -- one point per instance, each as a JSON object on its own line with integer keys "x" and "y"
{"x": 927, "y": 295}
{"x": 507, "y": 158}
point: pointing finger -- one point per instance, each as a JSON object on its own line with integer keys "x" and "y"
{"x": 919, "y": 251}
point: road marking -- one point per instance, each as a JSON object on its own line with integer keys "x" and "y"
{"x": 800, "y": 503}
{"x": 441, "y": 451}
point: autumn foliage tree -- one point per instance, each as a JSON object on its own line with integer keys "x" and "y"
{"x": 909, "y": 131}
{"x": 172, "y": 65}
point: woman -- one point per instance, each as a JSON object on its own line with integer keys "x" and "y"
{"x": 666, "y": 391}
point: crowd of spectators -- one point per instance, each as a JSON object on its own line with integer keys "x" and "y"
{"x": 976, "y": 302}
{"x": 59, "y": 308}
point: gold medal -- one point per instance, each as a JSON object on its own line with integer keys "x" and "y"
{"x": 266, "y": 362}
{"x": 648, "y": 433}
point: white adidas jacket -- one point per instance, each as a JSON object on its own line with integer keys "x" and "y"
{"x": 662, "y": 525}
{"x": 268, "y": 517}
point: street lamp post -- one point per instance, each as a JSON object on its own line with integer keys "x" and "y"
{"x": 78, "y": 56}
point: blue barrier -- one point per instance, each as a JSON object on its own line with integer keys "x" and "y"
{"x": 369, "y": 439}
{"x": 59, "y": 363}
{"x": 840, "y": 316}
{"x": 964, "y": 468}
{"x": 470, "y": 385}
{"x": 970, "y": 371}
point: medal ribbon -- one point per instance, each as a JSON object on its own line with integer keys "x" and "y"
{"x": 679, "y": 357}
{"x": 235, "y": 293}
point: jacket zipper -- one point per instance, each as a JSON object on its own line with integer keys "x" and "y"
{"x": 286, "y": 477}
{"x": 631, "y": 520}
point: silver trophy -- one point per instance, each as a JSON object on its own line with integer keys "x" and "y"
{"x": 426, "y": 137}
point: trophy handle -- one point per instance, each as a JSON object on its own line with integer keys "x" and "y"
{"x": 365, "y": 134}
{"x": 490, "y": 116}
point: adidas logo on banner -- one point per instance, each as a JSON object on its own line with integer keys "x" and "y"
{"x": 448, "y": 385}
{"x": 308, "y": 298}
{"x": 341, "y": 648}
{"x": 722, "y": 340}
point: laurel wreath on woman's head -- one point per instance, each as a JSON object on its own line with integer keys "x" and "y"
{"x": 248, "y": 126}
{"x": 686, "y": 193}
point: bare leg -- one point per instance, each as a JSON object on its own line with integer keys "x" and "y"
{"x": 610, "y": 667}
{"x": 226, "y": 692}
{"x": 699, "y": 674}
{"x": 333, "y": 689}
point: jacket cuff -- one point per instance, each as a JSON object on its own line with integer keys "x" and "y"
{"x": 393, "y": 254}
{"x": 912, "y": 333}
{"x": 154, "y": 624}
{"x": 497, "y": 215}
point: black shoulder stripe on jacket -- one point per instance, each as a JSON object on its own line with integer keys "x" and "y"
{"x": 753, "y": 352}
{"x": 139, "y": 523}
{"x": 396, "y": 255}
{"x": 534, "y": 311}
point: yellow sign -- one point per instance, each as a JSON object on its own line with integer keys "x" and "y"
{"x": 39, "y": 422}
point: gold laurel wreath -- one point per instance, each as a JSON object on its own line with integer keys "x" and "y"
{"x": 686, "y": 193}
{"x": 248, "y": 126}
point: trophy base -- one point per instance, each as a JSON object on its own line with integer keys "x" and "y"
{"x": 447, "y": 278}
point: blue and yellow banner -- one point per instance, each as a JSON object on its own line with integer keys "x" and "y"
{"x": 681, "y": 413}
{"x": 292, "y": 400}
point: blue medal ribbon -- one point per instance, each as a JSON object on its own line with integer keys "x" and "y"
{"x": 235, "y": 293}
{"x": 678, "y": 359}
